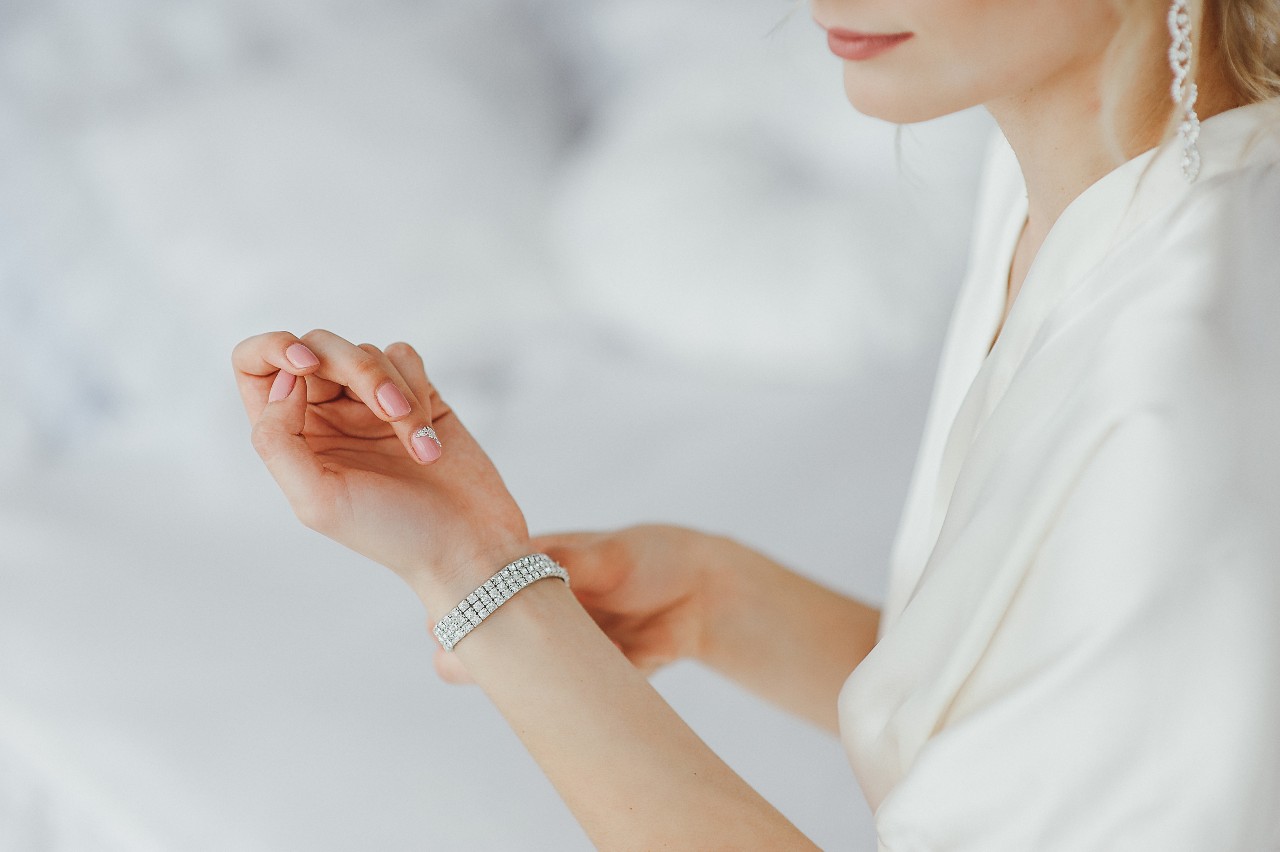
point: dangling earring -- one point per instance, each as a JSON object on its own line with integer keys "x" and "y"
{"x": 1183, "y": 90}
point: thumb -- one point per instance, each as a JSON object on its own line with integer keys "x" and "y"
{"x": 563, "y": 543}
{"x": 277, "y": 437}
{"x": 589, "y": 557}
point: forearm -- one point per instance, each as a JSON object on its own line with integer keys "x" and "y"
{"x": 629, "y": 768}
{"x": 779, "y": 635}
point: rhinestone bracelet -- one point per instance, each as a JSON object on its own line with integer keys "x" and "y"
{"x": 493, "y": 593}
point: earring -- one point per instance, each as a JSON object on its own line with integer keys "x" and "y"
{"x": 1183, "y": 90}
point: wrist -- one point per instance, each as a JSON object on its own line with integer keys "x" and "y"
{"x": 442, "y": 591}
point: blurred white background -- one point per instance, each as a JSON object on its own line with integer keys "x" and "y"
{"x": 655, "y": 260}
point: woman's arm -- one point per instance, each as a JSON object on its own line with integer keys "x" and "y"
{"x": 630, "y": 769}
{"x": 663, "y": 593}
{"x": 348, "y": 432}
{"x": 778, "y": 634}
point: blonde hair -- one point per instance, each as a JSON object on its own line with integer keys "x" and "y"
{"x": 1250, "y": 39}
{"x": 1244, "y": 35}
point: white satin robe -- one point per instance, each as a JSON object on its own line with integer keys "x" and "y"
{"x": 1080, "y": 646}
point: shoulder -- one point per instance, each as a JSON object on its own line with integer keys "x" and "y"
{"x": 1185, "y": 311}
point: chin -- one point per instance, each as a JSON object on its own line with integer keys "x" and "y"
{"x": 896, "y": 105}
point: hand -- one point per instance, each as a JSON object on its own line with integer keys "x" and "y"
{"x": 644, "y": 586}
{"x": 336, "y": 426}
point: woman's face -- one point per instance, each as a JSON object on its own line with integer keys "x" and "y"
{"x": 962, "y": 53}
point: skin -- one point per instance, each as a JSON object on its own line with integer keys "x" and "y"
{"x": 1042, "y": 86}
{"x": 567, "y": 665}
{"x": 348, "y": 469}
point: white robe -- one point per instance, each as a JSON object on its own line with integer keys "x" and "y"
{"x": 1080, "y": 646}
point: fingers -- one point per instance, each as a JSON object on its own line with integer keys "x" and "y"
{"x": 409, "y": 365}
{"x": 564, "y": 542}
{"x": 363, "y": 370}
{"x": 371, "y": 377}
{"x": 258, "y": 359}
{"x": 395, "y": 390}
{"x": 277, "y": 436}
{"x": 396, "y": 395}
{"x": 589, "y": 556}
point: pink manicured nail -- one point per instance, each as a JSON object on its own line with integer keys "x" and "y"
{"x": 282, "y": 386}
{"x": 426, "y": 446}
{"x": 391, "y": 400}
{"x": 301, "y": 357}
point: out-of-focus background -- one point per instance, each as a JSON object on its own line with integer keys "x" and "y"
{"x": 655, "y": 260}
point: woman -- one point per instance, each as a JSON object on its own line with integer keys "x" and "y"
{"x": 1079, "y": 647}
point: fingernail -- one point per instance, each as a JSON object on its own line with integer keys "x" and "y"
{"x": 282, "y": 386}
{"x": 391, "y": 400}
{"x": 426, "y": 446}
{"x": 301, "y": 357}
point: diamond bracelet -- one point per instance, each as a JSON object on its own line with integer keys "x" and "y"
{"x": 493, "y": 593}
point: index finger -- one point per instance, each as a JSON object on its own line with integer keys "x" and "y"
{"x": 258, "y": 359}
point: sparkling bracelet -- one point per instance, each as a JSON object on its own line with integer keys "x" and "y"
{"x": 493, "y": 593}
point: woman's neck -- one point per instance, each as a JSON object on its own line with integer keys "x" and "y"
{"x": 1058, "y": 134}
{"x": 1057, "y": 137}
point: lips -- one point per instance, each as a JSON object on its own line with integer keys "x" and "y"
{"x": 850, "y": 44}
